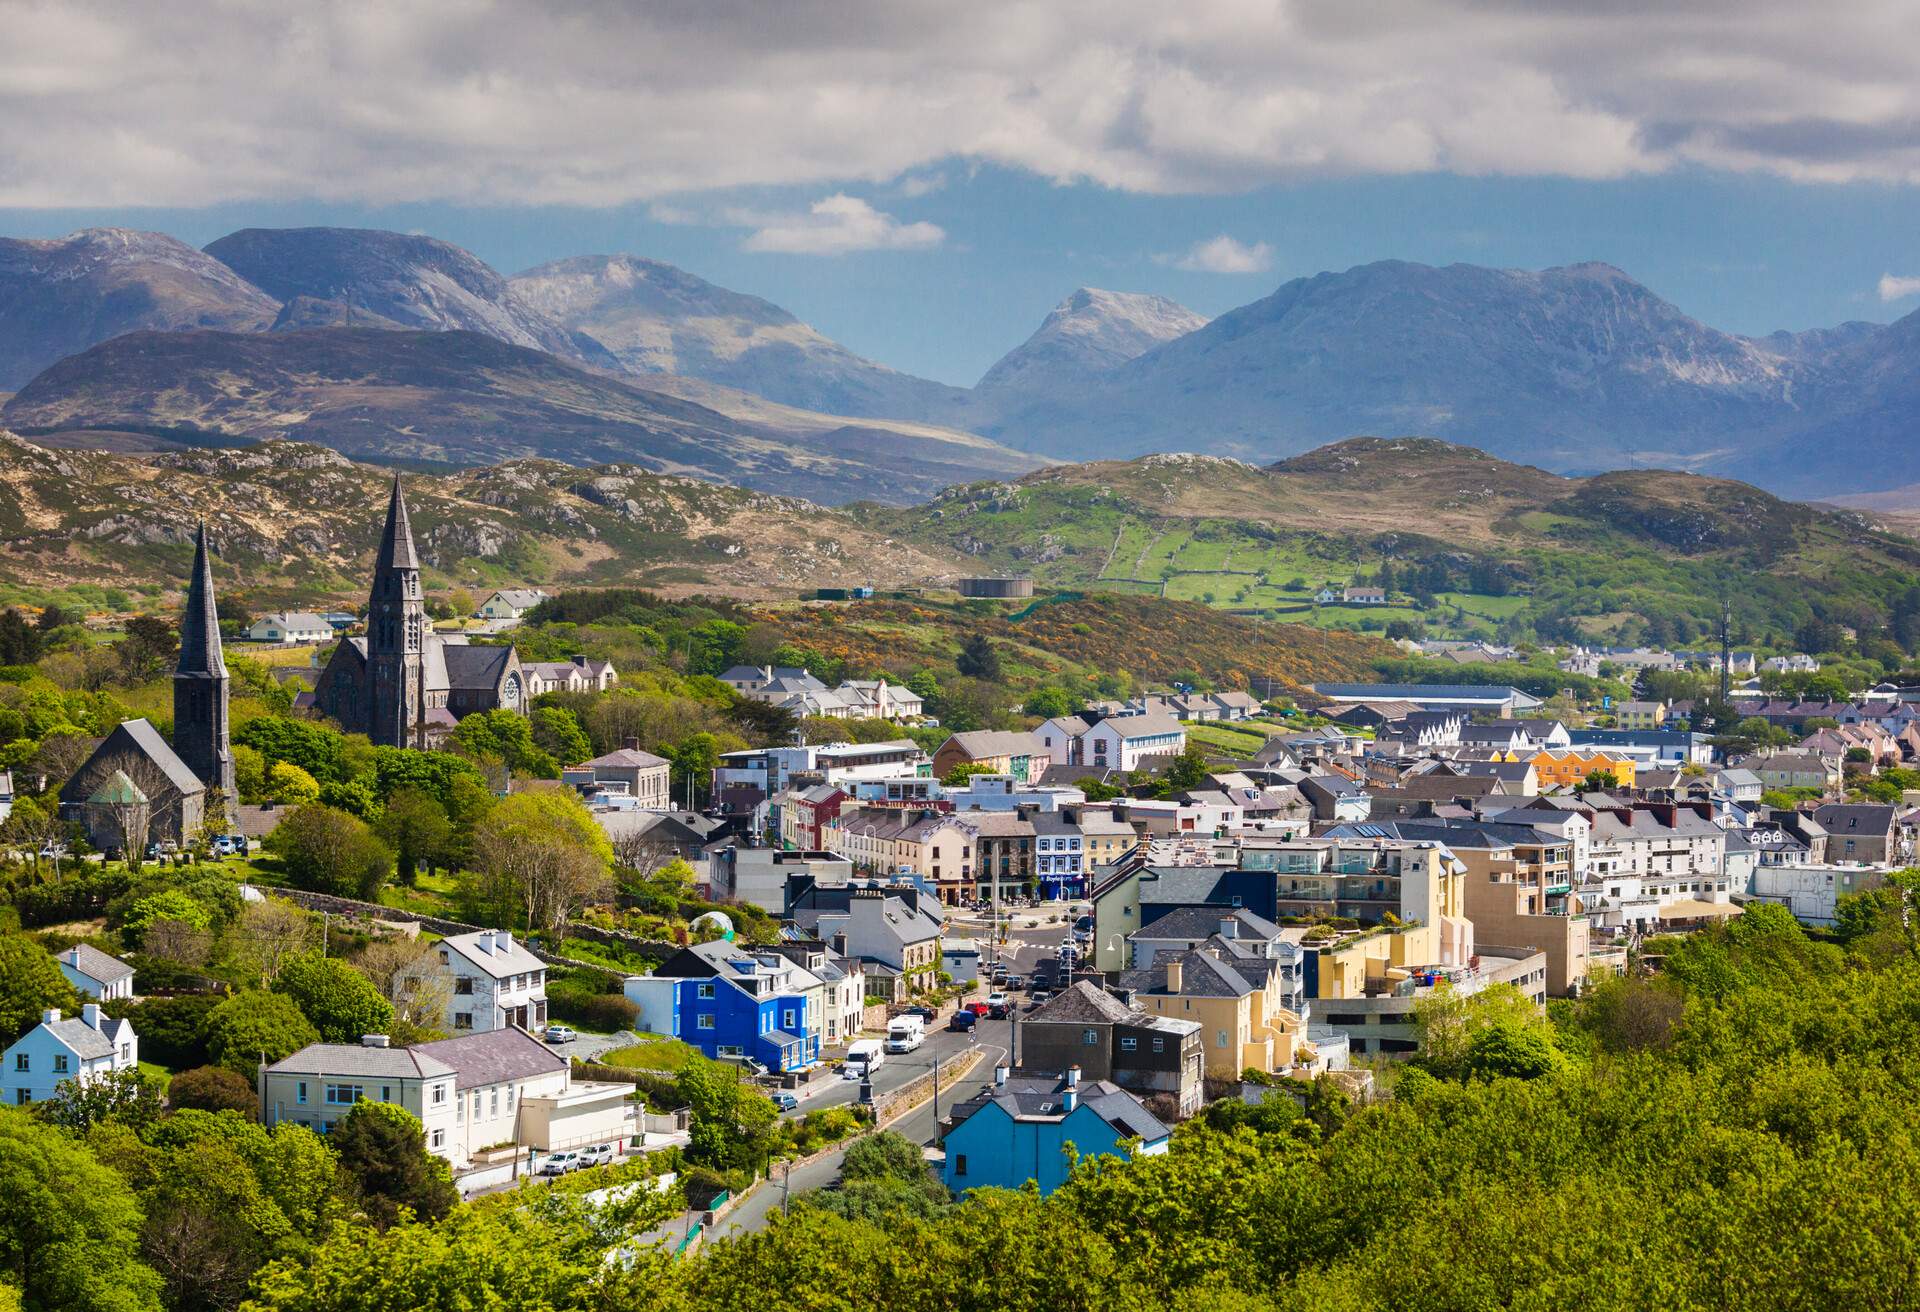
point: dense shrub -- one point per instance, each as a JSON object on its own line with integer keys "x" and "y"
{"x": 601, "y": 1012}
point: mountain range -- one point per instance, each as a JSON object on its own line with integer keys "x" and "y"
{"x": 1574, "y": 369}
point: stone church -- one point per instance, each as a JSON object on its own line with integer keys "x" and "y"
{"x": 402, "y": 684}
{"x": 137, "y": 784}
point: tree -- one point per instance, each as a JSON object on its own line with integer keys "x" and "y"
{"x": 130, "y": 1096}
{"x": 978, "y": 659}
{"x": 268, "y": 934}
{"x": 1187, "y": 770}
{"x": 252, "y": 1027}
{"x": 289, "y": 785}
{"x": 69, "y": 1225}
{"x": 149, "y": 644}
{"x": 416, "y": 827}
{"x": 212, "y": 1089}
{"x": 1048, "y": 703}
{"x": 328, "y": 851}
{"x": 504, "y": 736}
{"x": 168, "y": 904}
{"x": 1505, "y": 1050}
{"x": 545, "y": 852}
{"x": 249, "y": 774}
{"x": 342, "y": 1003}
{"x": 559, "y": 733}
{"x": 408, "y": 973}
{"x": 19, "y": 644}
{"x": 729, "y": 1119}
{"x": 1448, "y": 1021}
{"x": 385, "y": 1166}
{"x": 30, "y": 983}
{"x": 964, "y": 770}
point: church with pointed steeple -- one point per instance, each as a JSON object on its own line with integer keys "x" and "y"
{"x": 200, "y": 684}
{"x": 400, "y": 683}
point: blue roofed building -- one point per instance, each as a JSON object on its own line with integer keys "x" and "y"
{"x": 735, "y": 1002}
{"x": 1019, "y": 1128}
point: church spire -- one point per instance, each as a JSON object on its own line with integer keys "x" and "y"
{"x": 396, "y": 543}
{"x": 200, "y": 652}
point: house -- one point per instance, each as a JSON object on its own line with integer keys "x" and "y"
{"x": 84, "y": 1047}
{"x": 893, "y": 929}
{"x": 1335, "y": 798}
{"x": 1017, "y": 1130}
{"x": 1738, "y": 785}
{"x": 1127, "y": 742}
{"x": 1363, "y": 596}
{"x": 1812, "y": 892}
{"x": 735, "y": 1002}
{"x": 999, "y": 751}
{"x": 1570, "y": 769}
{"x": 94, "y": 973}
{"x": 876, "y": 699}
{"x": 644, "y": 839}
{"x": 1647, "y": 746}
{"x": 805, "y": 814}
{"x": 844, "y": 997}
{"x": 934, "y": 845}
{"x": 1472, "y": 698}
{"x": 510, "y": 604}
{"x": 1640, "y": 715}
{"x": 1237, "y": 1001}
{"x": 575, "y": 674}
{"x": 1781, "y": 769}
{"x": 134, "y": 781}
{"x": 646, "y": 778}
{"x": 1086, "y": 1026}
{"x": 289, "y": 626}
{"x": 1063, "y": 739}
{"x": 1868, "y": 833}
{"x": 6, "y": 794}
{"x": 1791, "y": 663}
{"x": 1003, "y": 852}
{"x": 771, "y": 683}
{"x": 496, "y": 982}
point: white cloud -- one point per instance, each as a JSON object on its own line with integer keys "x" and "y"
{"x": 518, "y": 102}
{"x": 1223, "y": 254}
{"x": 921, "y": 184}
{"x": 837, "y": 225}
{"x": 1896, "y": 288}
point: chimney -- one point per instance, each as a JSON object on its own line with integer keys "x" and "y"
{"x": 1227, "y": 926}
{"x": 1070, "y": 1096}
{"x": 503, "y": 939}
{"x": 1073, "y": 1077}
{"x": 374, "y": 1041}
{"x": 1000, "y": 1075}
{"x": 90, "y": 1013}
{"x": 51, "y": 1016}
{"x": 1173, "y": 975}
{"x": 486, "y": 941}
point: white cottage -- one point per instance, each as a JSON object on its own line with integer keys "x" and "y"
{"x": 87, "y": 1047}
{"x": 95, "y": 973}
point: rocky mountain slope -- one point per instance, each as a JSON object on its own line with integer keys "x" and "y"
{"x": 463, "y": 398}
{"x": 1087, "y": 335}
{"x": 399, "y": 279}
{"x": 655, "y": 318}
{"x": 296, "y": 524}
{"x": 62, "y": 295}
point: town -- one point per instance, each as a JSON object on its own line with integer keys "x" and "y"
{"x": 415, "y": 908}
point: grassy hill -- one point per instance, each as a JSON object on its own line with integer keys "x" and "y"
{"x": 296, "y": 525}
{"x": 1489, "y": 546}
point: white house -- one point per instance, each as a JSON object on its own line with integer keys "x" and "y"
{"x": 575, "y": 674}
{"x": 876, "y": 699}
{"x": 56, "y": 1050}
{"x": 289, "y": 626}
{"x": 510, "y": 604}
{"x": 96, "y": 974}
{"x": 496, "y": 982}
{"x": 1124, "y": 742}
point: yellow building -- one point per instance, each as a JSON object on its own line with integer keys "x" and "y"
{"x": 1235, "y": 1000}
{"x": 1570, "y": 769}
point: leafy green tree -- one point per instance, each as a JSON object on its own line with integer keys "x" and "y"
{"x": 416, "y": 827}
{"x": 544, "y": 856}
{"x": 385, "y": 1166}
{"x": 1449, "y": 1020}
{"x": 342, "y": 1003}
{"x": 289, "y": 785}
{"x": 435, "y": 773}
{"x": 329, "y": 851}
{"x": 504, "y": 736}
{"x": 256, "y": 1026}
{"x": 1188, "y": 770}
{"x": 957, "y": 776}
{"x": 169, "y": 904}
{"x": 560, "y": 734}
{"x": 1048, "y": 703}
{"x": 131, "y": 1097}
{"x": 978, "y": 659}
{"x": 69, "y": 1226}
{"x": 730, "y": 1119}
{"x": 249, "y": 773}
{"x": 1504, "y": 1050}
{"x": 318, "y": 750}
{"x": 30, "y": 983}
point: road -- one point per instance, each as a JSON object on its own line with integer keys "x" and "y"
{"x": 918, "y": 1125}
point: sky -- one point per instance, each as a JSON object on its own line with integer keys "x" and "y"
{"x": 924, "y": 181}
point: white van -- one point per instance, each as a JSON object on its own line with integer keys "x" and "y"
{"x": 905, "y": 1033}
{"x": 865, "y": 1056}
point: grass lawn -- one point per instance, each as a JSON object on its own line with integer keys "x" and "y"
{"x": 432, "y": 895}
{"x": 659, "y": 1055}
{"x": 157, "y": 1073}
{"x": 1228, "y": 738}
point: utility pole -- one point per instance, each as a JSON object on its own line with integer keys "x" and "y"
{"x": 1726, "y": 648}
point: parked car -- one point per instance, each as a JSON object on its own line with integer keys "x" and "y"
{"x": 977, "y": 1008}
{"x": 963, "y": 1019}
{"x": 999, "y": 1010}
{"x": 1041, "y": 997}
{"x": 560, "y": 1034}
{"x": 997, "y": 998}
{"x": 924, "y": 1013}
{"x": 1015, "y": 982}
{"x": 560, "y": 1164}
{"x": 1084, "y": 925}
{"x": 786, "y": 1102}
{"x": 851, "y": 1071}
{"x": 598, "y": 1154}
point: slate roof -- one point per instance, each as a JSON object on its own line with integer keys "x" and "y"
{"x": 95, "y": 964}
{"x": 1154, "y": 724}
{"x": 83, "y": 1040}
{"x": 1083, "y": 1003}
{"x": 354, "y": 1059}
{"x": 978, "y": 744}
{"x": 626, "y": 758}
{"x": 1200, "y": 923}
{"x": 475, "y": 667}
{"x": 1855, "y": 817}
{"x": 1038, "y": 1097}
{"x": 493, "y": 1057}
{"x": 1202, "y": 975}
{"x": 516, "y": 960}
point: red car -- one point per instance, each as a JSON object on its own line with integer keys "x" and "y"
{"x": 978, "y": 1008}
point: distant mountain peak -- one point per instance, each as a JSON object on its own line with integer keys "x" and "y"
{"x": 1089, "y": 333}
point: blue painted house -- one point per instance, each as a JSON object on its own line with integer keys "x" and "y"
{"x": 735, "y": 1002}
{"x": 1018, "y": 1128}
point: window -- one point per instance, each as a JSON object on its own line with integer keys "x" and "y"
{"x": 959, "y": 1161}
{"x": 439, "y": 1094}
{"x": 1220, "y": 1041}
{"x": 21, "y": 1062}
{"x": 509, "y": 1100}
{"x": 789, "y": 1018}
{"x": 386, "y": 1093}
{"x": 1159, "y": 1044}
{"x": 1090, "y": 1036}
{"x": 439, "y": 1139}
{"x": 706, "y": 1020}
{"x": 460, "y": 1111}
{"x": 23, "y": 1096}
{"x": 126, "y": 1052}
{"x": 59, "y": 1063}
{"x": 1129, "y": 1044}
{"x": 300, "y": 1091}
{"x": 463, "y": 1020}
{"x": 493, "y": 1101}
{"x": 344, "y": 1095}
{"x": 706, "y": 990}
{"x": 463, "y": 987}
